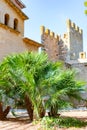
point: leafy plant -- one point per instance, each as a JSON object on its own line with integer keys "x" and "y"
{"x": 51, "y": 123}
{"x": 28, "y": 77}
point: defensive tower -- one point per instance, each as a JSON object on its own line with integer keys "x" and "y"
{"x": 75, "y": 40}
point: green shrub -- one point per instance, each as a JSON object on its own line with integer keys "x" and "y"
{"x": 50, "y": 123}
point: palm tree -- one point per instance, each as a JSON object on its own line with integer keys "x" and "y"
{"x": 62, "y": 88}
{"x": 28, "y": 77}
{"x": 20, "y": 75}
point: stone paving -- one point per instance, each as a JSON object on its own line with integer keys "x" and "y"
{"x": 13, "y": 124}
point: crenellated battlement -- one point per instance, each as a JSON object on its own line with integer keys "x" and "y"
{"x": 72, "y": 25}
{"x": 75, "y": 39}
{"x": 48, "y": 32}
{"x": 66, "y": 47}
{"x": 50, "y": 41}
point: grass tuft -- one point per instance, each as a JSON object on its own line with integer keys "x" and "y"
{"x": 50, "y": 123}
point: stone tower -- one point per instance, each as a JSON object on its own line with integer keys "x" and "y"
{"x": 74, "y": 40}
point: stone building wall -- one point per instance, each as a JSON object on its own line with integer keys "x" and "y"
{"x": 5, "y": 8}
{"x": 75, "y": 40}
{"x": 80, "y": 67}
{"x": 12, "y": 30}
{"x": 10, "y": 42}
{"x": 50, "y": 43}
{"x": 63, "y": 47}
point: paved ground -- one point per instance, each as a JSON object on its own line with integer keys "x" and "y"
{"x": 13, "y": 124}
{"x": 79, "y": 114}
{"x": 9, "y": 125}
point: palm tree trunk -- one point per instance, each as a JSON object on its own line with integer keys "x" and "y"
{"x": 29, "y": 107}
{"x": 6, "y": 111}
{"x": 54, "y": 111}
{"x": 41, "y": 111}
{"x": 3, "y": 114}
{"x": 1, "y": 111}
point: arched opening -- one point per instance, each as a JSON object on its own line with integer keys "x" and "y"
{"x": 6, "y": 20}
{"x": 82, "y": 55}
{"x": 15, "y": 24}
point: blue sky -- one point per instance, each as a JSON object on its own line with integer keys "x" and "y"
{"x": 53, "y": 14}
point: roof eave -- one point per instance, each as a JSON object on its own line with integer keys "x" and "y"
{"x": 22, "y": 14}
{"x": 30, "y": 41}
{"x": 21, "y": 4}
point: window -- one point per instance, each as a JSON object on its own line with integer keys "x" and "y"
{"x": 15, "y": 24}
{"x": 6, "y": 20}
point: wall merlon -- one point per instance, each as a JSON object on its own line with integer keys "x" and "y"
{"x": 56, "y": 37}
{"x": 47, "y": 31}
{"x": 42, "y": 29}
{"x": 68, "y": 22}
{"x": 73, "y": 25}
{"x": 64, "y": 35}
{"x": 80, "y": 31}
{"x": 52, "y": 34}
{"x": 77, "y": 28}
